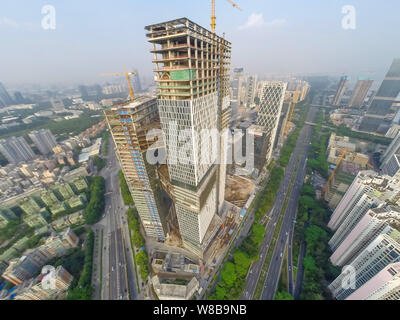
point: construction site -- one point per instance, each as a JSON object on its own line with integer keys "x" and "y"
{"x": 347, "y": 158}
{"x": 238, "y": 190}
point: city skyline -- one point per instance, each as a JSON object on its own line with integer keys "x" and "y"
{"x": 312, "y": 28}
{"x": 222, "y": 173}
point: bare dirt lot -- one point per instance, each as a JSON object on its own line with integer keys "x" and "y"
{"x": 238, "y": 190}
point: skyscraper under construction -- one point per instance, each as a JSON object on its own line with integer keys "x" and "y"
{"x": 192, "y": 67}
{"x": 129, "y": 124}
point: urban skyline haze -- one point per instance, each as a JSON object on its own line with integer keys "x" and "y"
{"x": 289, "y": 37}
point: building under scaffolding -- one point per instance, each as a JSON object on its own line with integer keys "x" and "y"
{"x": 192, "y": 66}
{"x": 129, "y": 124}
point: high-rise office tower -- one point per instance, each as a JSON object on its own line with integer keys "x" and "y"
{"x": 129, "y": 124}
{"x": 367, "y": 191}
{"x": 394, "y": 148}
{"x": 304, "y": 91}
{"x": 392, "y": 167}
{"x": 16, "y": 149}
{"x": 383, "y": 101}
{"x": 237, "y": 82}
{"x": 376, "y": 221}
{"x": 341, "y": 90}
{"x": 360, "y": 92}
{"x": 384, "y": 286}
{"x": 381, "y": 252}
{"x": 83, "y": 91}
{"x": 193, "y": 71}
{"x": 5, "y": 99}
{"x": 251, "y": 91}
{"x": 19, "y": 99}
{"x": 44, "y": 140}
{"x": 272, "y": 96}
{"x": 97, "y": 89}
{"x": 137, "y": 84}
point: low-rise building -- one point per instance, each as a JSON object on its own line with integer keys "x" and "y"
{"x": 173, "y": 289}
{"x": 24, "y": 268}
{"x": 50, "y": 286}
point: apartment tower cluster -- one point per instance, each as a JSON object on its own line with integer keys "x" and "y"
{"x": 366, "y": 239}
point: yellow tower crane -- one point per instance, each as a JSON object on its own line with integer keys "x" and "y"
{"x": 213, "y": 17}
{"x": 335, "y": 170}
{"x": 128, "y": 79}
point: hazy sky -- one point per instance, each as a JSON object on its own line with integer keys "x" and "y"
{"x": 268, "y": 37}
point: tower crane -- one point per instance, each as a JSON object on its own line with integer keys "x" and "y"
{"x": 345, "y": 151}
{"x": 128, "y": 79}
{"x": 213, "y": 17}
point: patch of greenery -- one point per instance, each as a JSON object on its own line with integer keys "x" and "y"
{"x": 233, "y": 275}
{"x": 105, "y": 137}
{"x": 283, "y": 295}
{"x": 319, "y": 143}
{"x": 126, "y": 194}
{"x": 134, "y": 226}
{"x": 312, "y": 228}
{"x": 344, "y": 131}
{"x": 84, "y": 290}
{"x": 143, "y": 263}
{"x": 267, "y": 198}
{"x": 95, "y": 208}
{"x": 99, "y": 162}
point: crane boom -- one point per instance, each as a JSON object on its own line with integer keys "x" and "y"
{"x": 335, "y": 170}
{"x": 234, "y": 4}
{"x": 214, "y": 18}
{"x": 128, "y": 79}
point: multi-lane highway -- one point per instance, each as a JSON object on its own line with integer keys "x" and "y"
{"x": 297, "y": 161}
{"x": 118, "y": 280}
{"x": 287, "y": 228}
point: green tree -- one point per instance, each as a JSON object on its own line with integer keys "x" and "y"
{"x": 283, "y": 295}
{"x": 228, "y": 275}
{"x": 242, "y": 262}
{"x": 126, "y": 194}
{"x": 142, "y": 261}
{"x": 258, "y": 233}
{"x": 220, "y": 293}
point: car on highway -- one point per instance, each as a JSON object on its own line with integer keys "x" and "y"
{"x": 112, "y": 268}
{"x": 281, "y": 254}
